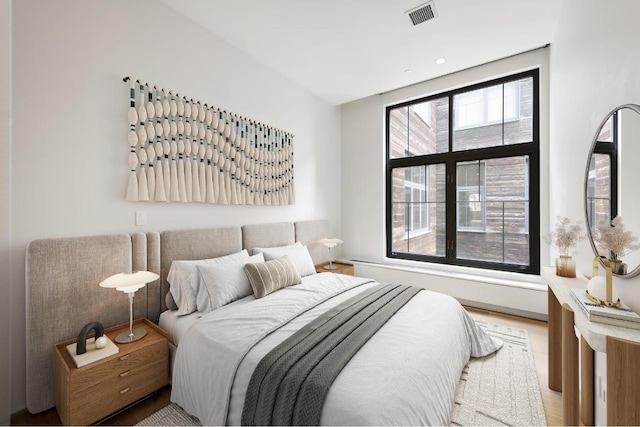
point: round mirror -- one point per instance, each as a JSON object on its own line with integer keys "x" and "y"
{"x": 612, "y": 178}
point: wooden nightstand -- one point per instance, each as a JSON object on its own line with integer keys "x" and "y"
{"x": 87, "y": 394}
{"x": 343, "y": 268}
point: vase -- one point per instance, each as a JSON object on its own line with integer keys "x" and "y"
{"x": 618, "y": 267}
{"x": 565, "y": 266}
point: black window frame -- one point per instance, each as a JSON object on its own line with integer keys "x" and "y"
{"x": 450, "y": 158}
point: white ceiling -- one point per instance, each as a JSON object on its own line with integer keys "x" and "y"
{"x": 343, "y": 50}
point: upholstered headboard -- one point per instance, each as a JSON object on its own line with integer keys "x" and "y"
{"x": 62, "y": 295}
{"x": 268, "y": 235}
{"x": 309, "y": 232}
{"x": 62, "y": 277}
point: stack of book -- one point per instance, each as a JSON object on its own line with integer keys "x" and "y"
{"x": 620, "y": 316}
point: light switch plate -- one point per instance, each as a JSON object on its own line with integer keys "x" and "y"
{"x": 141, "y": 218}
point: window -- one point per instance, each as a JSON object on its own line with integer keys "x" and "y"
{"x": 463, "y": 176}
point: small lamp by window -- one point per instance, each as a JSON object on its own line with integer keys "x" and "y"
{"x": 330, "y": 243}
{"x": 129, "y": 284}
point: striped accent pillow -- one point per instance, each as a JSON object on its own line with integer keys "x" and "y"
{"x": 267, "y": 277}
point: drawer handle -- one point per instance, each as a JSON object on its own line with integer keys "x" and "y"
{"x": 124, "y": 374}
{"x": 125, "y": 390}
{"x": 125, "y": 357}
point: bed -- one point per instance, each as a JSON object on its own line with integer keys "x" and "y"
{"x": 404, "y": 374}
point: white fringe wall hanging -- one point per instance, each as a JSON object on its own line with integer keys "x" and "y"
{"x": 185, "y": 151}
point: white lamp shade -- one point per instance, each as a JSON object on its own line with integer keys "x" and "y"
{"x": 129, "y": 282}
{"x": 597, "y": 287}
{"x": 330, "y": 242}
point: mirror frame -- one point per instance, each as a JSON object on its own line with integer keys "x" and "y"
{"x": 635, "y": 108}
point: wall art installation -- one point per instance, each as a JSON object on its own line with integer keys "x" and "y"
{"x": 186, "y": 151}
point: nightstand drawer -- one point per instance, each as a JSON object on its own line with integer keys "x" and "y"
{"x": 119, "y": 364}
{"x": 110, "y": 395}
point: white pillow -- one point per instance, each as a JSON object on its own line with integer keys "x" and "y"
{"x": 226, "y": 282}
{"x": 184, "y": 281}
{"x": 298, "y": 253}
{"x": 277, "y": 248}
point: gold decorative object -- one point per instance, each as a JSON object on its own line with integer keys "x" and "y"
{"x": 600, "y": 289}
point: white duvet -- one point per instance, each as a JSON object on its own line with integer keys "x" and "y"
{"x": 406, "y": 374}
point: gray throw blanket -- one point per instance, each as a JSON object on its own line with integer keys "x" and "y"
{"x": 290, "y": 384}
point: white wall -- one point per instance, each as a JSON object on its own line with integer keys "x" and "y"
{"x": 363, "y": 196}
{"x": 594, "y": 68}
{"x": 5, "y": 194}
{"x": 69, "y": 135}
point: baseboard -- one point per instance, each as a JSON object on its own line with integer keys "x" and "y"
{"x": 504, "y": 310}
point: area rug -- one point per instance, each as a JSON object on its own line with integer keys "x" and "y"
{"x": 500, "y": 389}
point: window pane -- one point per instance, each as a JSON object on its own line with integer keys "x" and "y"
{"x": 518, "y": 107}
{"x": 468, "y": 109}
{"x": 510, "y": 246}
{"x": 419, "y": 129}
{"x": 598, "y": 190}
{"x": 398, "y": 132}
{"x": 493, "y": 116}
{"x": 471, "y": 195}
{"x": 418, "y": 209}
{"x": 493, "y": 210}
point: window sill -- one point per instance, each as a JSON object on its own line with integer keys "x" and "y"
{"x": 417, "y": 233}
{"x": 500, "y": 278}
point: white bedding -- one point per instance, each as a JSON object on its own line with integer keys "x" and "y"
{"x": 176, "y": 326}
{"x": 406, "y": 374}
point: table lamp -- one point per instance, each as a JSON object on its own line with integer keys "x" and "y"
{"x": 129, "y": 284}
{"x": 330, "y": 243}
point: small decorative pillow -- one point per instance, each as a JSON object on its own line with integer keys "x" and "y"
{"x": 298, "y": 253}
{"x": 225, "y": 282}
{"x": 269, "y": 276}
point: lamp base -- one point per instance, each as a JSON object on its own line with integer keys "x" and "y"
{"x": 330, "y": 267}
{"x": 127, "y": 336}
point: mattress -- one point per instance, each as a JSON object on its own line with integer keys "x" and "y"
{"x": 176, "y": 326}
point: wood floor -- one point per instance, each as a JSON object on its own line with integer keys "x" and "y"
{"x": 537, "y": 334}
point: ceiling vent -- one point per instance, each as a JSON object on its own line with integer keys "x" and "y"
{"x": 422, "y": 13}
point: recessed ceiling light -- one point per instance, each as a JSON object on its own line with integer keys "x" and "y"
{"x": 440, "y": 61}
{"x": 407, "y": 71}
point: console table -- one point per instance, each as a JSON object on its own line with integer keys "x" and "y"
{"x": 622, "y": 346}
